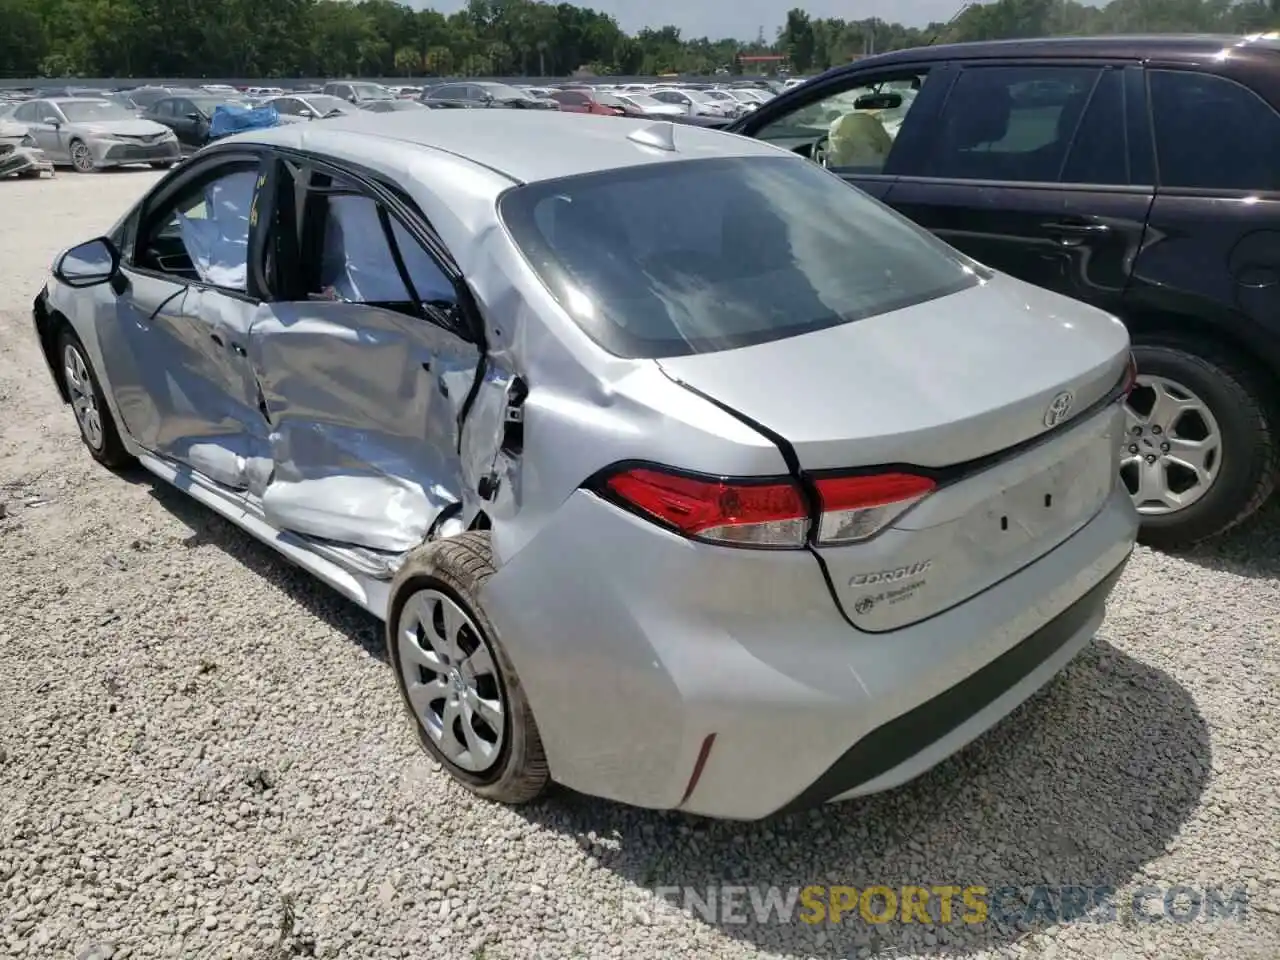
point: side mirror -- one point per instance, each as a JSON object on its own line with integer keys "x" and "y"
{"x": 88, "y": 265}
{"x": 52, "y": 121}
{"x": 309, "y": 114}
{"x": 194, "y": 116}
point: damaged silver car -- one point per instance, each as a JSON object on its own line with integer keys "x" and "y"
{"x": 680, "y": 472}
{"x": 20, "y": 155}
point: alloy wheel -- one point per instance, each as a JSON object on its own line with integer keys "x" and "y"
{"x": 1172, "y": 449}
{"x": 81, "y": 158}
{"x": 84, "y": 398}
{"x": 451, "y": 681}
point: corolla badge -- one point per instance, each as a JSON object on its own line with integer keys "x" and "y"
{"x": 1059, "y": 407}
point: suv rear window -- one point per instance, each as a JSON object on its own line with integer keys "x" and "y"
{"x": 670, "y": 259}
{"x": 1213, "y": 133}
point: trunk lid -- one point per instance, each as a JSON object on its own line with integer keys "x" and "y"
{"x": 946, "y": 383}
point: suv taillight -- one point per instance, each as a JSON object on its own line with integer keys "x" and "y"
{"x": 768, "y": 512}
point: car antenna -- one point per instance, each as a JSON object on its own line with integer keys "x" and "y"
{"x": 954, "y": 17}
{"x": 661, "y": 136}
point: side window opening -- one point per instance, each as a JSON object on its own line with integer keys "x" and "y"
{"x": 360, "y": 253}
{"x": 1011, "y": 123}
{"x": 853, "y": 131}
{"x": 204, "y": 234}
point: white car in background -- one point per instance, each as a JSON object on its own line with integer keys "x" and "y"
{"x": 695, "y": 102}
{"x": 650, "y": 107}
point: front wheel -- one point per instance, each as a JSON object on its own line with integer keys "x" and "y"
{"x": 82, "y": 157}
{"x": 1199, "y": 452}
{"x": 89, "y": 404}
{"x": 467, "y": 704}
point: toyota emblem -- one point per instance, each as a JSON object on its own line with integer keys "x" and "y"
{"x": 1059, "y": 407}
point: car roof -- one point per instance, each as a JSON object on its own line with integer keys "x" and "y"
{"x": 1138, "y": 47}
{"x": 523, "y": 147}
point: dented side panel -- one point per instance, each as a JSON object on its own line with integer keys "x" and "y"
{"x": 363, "y": 405}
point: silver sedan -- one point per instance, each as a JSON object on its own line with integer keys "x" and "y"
{"x": 89, "y": 134}
{"x": 680, "y": 472}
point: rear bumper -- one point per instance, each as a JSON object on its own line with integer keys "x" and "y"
{"x": 635, "y": 647}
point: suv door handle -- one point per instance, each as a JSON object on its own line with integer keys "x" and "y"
{"x": 1075, "y": 228}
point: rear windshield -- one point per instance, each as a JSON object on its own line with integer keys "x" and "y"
{"x": 670, "y": 259}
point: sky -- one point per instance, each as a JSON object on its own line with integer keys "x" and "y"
{"x": 742, "y": 19}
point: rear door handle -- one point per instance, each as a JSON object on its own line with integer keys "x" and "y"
{"x": 1075, "y": 228}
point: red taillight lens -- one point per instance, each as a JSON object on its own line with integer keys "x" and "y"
{"x": 746, "y": 513}
{"x": 855, "y": 508}
{"x": 1130, "y": 376}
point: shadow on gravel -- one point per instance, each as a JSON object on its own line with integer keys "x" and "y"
{"x": 318, "y": 599}
{"x": 1251, "y": 550}
{"x": 1081, "y": 786}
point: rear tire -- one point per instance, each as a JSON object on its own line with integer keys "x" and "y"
{"x": 434, "y": 601}
{"x": 1243, "y": 411}
{"x": 89, "y": 404}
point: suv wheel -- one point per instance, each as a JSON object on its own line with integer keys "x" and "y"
{"x": 1199, "y": 453}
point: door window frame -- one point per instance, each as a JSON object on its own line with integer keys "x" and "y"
{"x": 398, "y": 207}
{"x": 1139, "y": 170}
{"x": 158, "y": 203}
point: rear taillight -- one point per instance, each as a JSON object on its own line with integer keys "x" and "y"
{"x": 767, "y": 512}
{"x": 856, "y": 508}
{"x": 1130, "y": 376}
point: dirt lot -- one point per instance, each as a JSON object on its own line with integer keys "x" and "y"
{"x": 202, "y": 755}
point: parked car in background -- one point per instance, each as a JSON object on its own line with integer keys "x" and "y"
{"x": 20, "y": 154}
{"x": 144, "y": 97}
{"x": 190, "y": 117}
{"x": 356, "y": 91}
{"x": 747, "y": 99}
{"x": 587, "y": 100}
{"x": 315, "y": 106}
{"x": 123, "y": 99}
{"x": 946, "y": 526}
{"x": 392, "y": 106}
{"x": 482, "y": 93}
{"x": 694, "y": 102}
{"x": 643, "y": 105}
{"x": 1137, "y": 175}
{"x": 731, "y": 106}
{"x": 220, "y": 89}
{"x": 90, "y": 134}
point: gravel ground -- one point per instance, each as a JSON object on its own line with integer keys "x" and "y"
{"x": 202, "y": 753}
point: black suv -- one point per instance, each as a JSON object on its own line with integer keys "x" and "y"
{"x": 1141, "y": 175}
